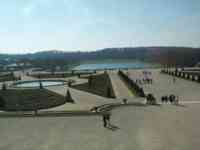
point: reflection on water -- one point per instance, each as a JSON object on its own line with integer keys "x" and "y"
{"x": 96, "y": 66}
{"x": 37, "y": 84}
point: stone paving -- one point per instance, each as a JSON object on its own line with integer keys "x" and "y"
{"x": 141, "y": 128}
{"x": 163, "y": 85}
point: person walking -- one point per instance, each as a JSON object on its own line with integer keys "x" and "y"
{"x": 124, "y": 101}
{"x": 108, "y": 119}
{"x": 177, "y": 100}
{"x": 104, "y": 121}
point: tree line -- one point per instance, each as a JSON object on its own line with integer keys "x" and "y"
{"x": 180, "y": 56}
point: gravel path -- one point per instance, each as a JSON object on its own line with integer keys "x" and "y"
{"x": 163, "y": 85}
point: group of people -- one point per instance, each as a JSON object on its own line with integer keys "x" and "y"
{"x": 147, "y": 79}
{"x": 144, "y": 81}
{"x": 150, "y": 99}
{"x": 171, "y": 98}
{"x": 145, "y": 72}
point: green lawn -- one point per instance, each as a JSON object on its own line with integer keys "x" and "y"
{"x": 99, "y": 86}
{"x": 30, "y": 99}
{"x": 7, "y": 77}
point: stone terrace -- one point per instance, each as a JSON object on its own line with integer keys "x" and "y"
{"x": 163, "y": 85}
{"x": 140, "y": 128}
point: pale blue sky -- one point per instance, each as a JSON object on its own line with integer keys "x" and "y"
{"x": 34, "y": 25}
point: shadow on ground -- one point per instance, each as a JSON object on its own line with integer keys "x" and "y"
{"x": 98, "y": 84}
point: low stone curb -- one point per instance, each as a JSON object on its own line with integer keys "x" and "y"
{"x": 50, "y": 114}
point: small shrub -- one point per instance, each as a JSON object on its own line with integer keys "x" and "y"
{"x": 90, "y": 81}
{"x": 2, "y": 102}
{"x": 41, "y": 86}
{"x": 109, "y": 92}
{"x": 68, "y": 97}
{"x": 4, "y": 87}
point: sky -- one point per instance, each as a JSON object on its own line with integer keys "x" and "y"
{"x": 28, "y": 26}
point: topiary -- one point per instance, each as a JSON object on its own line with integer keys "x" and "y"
{"x": 68, "y": 97}
{"x": 2, "y": 102}
{"x": 4, "y": 87}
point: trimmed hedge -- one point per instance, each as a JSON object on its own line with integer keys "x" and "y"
{"x": 134, "y": 86}
{"x": 8, "y": 77}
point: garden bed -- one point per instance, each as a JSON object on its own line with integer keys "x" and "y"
{"x": 100, "y": 85}
{"x": 29, "y": 99}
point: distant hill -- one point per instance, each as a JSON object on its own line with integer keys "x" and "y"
{"x": 171, "y": 55}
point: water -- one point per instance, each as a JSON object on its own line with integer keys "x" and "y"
{"x": 32, "y": 84}
{"x": 115, "y": 65}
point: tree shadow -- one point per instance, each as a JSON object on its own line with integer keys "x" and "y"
{"x": 112, "y": 127}
{"x": 98, "y": 84}
{"x": 137, "y": 104}
{"x": 157, "y": 105}
{"x": 180, "y": 105}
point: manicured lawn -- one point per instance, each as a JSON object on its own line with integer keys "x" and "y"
{"x": 7, "y": 77}
{"x": 30, "y": 99}
{"x": 99, "y": 85}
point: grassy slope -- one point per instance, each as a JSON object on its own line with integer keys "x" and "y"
{"x": 30, "y": 99}
{"x": 100, "y": 83}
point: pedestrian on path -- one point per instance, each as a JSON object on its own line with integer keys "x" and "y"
{"x": 106, "y": 120}
{"x": 177, "y": 100}
{"x": 124, "y": 101}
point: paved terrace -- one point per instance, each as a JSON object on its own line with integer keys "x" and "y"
{"x": 141, "y": 128}
{"x": 163, "y": 85}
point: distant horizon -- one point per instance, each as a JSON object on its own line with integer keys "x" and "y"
{"x": 77, "y": 25}
{"x": 98, "y": 49}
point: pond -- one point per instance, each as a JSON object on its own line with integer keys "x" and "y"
{"x": 114, "y": 65}
{"x": 36, "y": 83}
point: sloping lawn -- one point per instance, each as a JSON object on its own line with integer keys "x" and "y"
{"x": 100, "y": 85}
{"x": 7, "y": 77}
{"x": 29, "y": 99}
